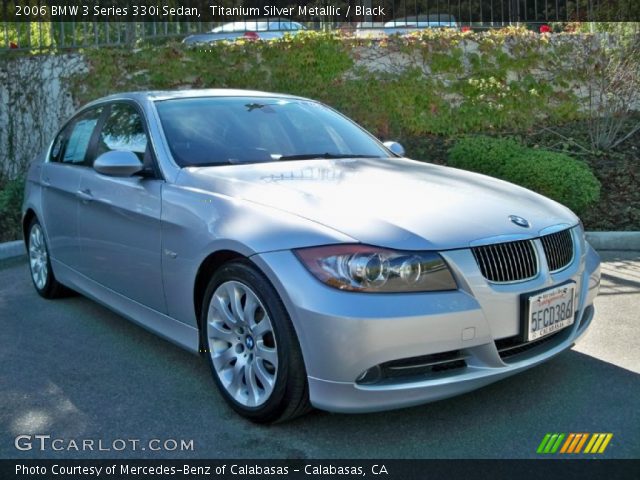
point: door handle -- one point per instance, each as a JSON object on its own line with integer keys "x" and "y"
{"x": 46, "y": 182}
{"x": 84, "y": 195}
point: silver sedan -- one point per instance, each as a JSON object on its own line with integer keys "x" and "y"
{"x": 309, "y": 263}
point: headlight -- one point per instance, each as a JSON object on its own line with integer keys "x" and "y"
{"x": 370, "y": 269}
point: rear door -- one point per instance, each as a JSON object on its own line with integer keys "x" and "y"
{"x": 60, "y": 178}
{"x": 119, "y": 217}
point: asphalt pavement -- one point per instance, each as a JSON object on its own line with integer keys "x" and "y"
{"x": 75, "y": 371}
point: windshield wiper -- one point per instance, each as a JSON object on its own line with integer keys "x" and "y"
{"x": 230, "y": 161}
{"x": 326, "y": 155}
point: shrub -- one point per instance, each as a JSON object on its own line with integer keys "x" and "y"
{"x": 437, "y": 81}
{"x": 11, "y": 193}
{"x": 555, "y": 175}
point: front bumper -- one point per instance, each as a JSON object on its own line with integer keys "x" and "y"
{"x": 343, "y": 334}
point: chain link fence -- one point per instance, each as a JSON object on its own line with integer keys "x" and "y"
{"x": 52, "y": 35}
{"x": 33, "y": 26}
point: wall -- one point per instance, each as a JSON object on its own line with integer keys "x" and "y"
{"x": 35, "y": 96}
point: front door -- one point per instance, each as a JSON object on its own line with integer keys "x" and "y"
{"x": 119, "y": 217}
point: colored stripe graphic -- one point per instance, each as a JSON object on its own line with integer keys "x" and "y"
{"x": 568, "y": 442}
{"x": 597, "y": 443}
{"x": 543, "y": 443}
{"x": 606, "y": 442}
{"x": 596, "y": 446}
{"x": 590, "y": 444}
{"x": 584, "y": 439}
{"x": 574, "y": 444}
{"x": 555, "y": 447}
{"x": 550, "y": 443}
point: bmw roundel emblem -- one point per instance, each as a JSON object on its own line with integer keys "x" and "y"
{"x": 521, "y": 222}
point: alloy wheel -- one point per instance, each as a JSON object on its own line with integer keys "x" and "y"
{"x": 38, "y": 257}
{"x": 242, "y": 343}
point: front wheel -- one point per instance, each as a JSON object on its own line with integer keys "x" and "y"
{"x": 40, "y": 264}
{"x": 251, "y": 346}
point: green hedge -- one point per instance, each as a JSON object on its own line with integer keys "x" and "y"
{"x": 442, "y": 82}
{"x": 11, "y": 192}
{"x": 555, "y": 175}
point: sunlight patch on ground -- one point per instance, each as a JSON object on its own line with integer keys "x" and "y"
{"x": 613, "y": 334}
{"x": 59, "y": 410}
{"x": 31, "y": 422}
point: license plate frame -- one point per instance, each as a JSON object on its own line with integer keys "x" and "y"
{"x": 529, "y": 299}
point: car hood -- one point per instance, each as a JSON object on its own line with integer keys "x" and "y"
{"x": 394, "y": 203}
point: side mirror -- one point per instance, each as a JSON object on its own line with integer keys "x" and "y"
{"x": 395, "y": 147}
{"x": 117, "y": 164}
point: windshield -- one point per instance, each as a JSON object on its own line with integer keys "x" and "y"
{"x": 228, "y": 130}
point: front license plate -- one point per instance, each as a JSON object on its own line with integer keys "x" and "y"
{"x": 550, "y": 311}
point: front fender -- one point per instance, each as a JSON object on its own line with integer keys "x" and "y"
{"x": 197, "y": 223}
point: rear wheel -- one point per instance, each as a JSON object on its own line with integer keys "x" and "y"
{"x": 252, "y": 347}
{"x": 42, "y": 276}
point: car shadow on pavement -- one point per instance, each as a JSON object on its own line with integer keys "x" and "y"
{"x": 572, "y": 393}
{"x": 148, "y": 388}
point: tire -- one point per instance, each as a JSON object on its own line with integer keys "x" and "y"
{"x": 251, "y": 346}
{"x": 42, "y": 275}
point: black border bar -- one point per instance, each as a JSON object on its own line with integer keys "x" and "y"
{"x": 532, "y": 469}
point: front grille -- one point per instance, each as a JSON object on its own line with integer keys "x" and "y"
{"x": 513, "y": 346}
{"x": 436, "y": 362}
{"x": 517, "y": 261}
{"x": 507, "y": 262}
{"x": 558, "y": 249}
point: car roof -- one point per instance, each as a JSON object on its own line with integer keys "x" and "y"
{"x": 159, "y": 95}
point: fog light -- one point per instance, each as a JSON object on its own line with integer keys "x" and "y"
{"x": 369, "y": 376}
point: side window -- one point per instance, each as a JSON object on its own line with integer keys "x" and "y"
{"x": 72, "y": 143}
{"x": 123, "y": 130}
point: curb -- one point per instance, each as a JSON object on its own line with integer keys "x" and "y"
{"x": 12, "y": 249}
{"x": 622, "y": 241}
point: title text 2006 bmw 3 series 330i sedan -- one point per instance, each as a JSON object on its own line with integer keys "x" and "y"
{"x": 309, "y": 263}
